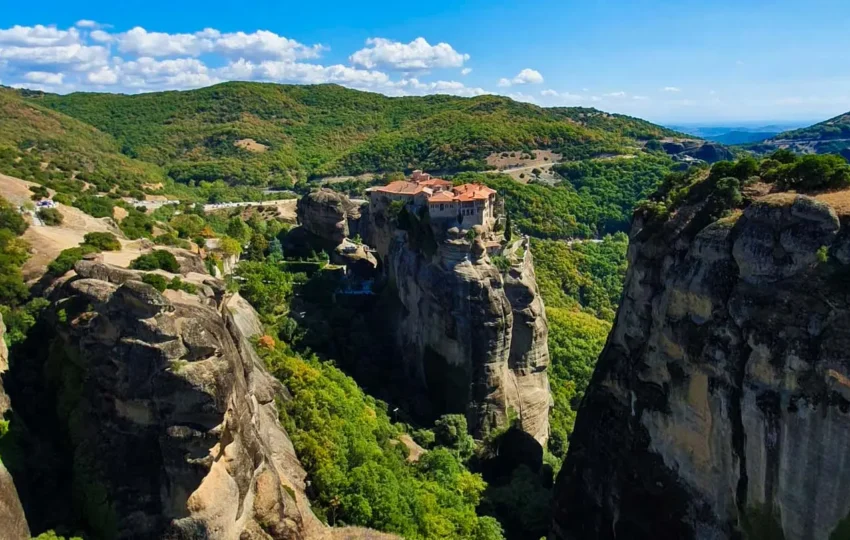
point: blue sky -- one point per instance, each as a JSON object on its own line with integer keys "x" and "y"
{"x": 684, "y": 61}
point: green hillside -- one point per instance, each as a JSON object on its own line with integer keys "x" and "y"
{"x": 308, "y": 131}
{"x": 42, "y": 145}
{"x": 829, "y": 137}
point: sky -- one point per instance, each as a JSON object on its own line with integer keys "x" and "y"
{"x": 684, "y": 61}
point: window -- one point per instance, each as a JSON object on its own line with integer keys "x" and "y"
{"x": 442, "y": 207}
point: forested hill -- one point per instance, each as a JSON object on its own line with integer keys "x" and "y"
{"x": 829, "y": 137}
{"x": 269, "y": 134}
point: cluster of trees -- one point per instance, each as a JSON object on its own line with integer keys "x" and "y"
{"x": 18, "y": 309}
{"x": 582, "y": 275}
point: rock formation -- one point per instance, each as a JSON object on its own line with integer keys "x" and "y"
{"x": 329, "y": 215}
{"x": 469, "y": 335}
{"x": 720, "y": 406}
{"x": 13, "y": 523}
{"x": 164, "y": 410}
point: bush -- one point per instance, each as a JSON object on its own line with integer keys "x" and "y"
{"x": 95, "y": 206}
{"x": 158, "y": 282}
{"x": 50, "y": 216}
{"x": 68, "y": 258}
{"x": 103, "y": 241}
{"x": 156, "y": 260}
{"x": 63, "y": 198}
{"x": 39, "y": 192}
{"x": 177, "y": 284}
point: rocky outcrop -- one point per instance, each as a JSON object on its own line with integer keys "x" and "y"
{"x": 720, "y": 406}
{"x": 693, "y": 149}
{"x": 13, "y": 523}
{"x": 473, "y": 338}
{"x": 329, "y": 215}
{"x": 166, "y": 412}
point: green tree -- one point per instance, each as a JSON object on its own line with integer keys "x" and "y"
{"x": 238, "y": 230}
{"x": 104, "y": 241}
{"x": 257, "y": 247}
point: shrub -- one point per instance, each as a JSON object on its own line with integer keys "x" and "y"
{"x": 50, "y": 216}
{"x": 39, "y": 192}
{"x": 136, "y": 225}
{"x": 158, "y": 282}
{"x": 177, "y": 284}
{"x": 103, "y": 241}
{"x": 63, "y": 198}
{"x": 500, "y": 262}
{"x": 68, "y": 258}
{"x": 95, "y": 206}
{"x": 156, "y": 260}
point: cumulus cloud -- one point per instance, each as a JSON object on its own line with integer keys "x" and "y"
{"x": 673, "y": 89}
{"x": 88, "y": 56}
{"x": 619, "y": 94}
{"x": 466, "y": 71}
{"x": 526, "y": 76}
{"x": 259, "y": 45}
{"x": 44, "y": 77}
{"x": 417, "y": 55}
{"x": 563, "y": 97}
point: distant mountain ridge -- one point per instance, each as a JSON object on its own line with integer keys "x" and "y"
{"x": 828, "y": 137}
{"x": 261, "y": 134}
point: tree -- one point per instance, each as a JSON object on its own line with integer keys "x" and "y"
{"x": 187, "y": 225}
{"x": 230, "y": 247}
{"x": 450, "y": 430}
{"x": 257, "y": 248}
{"x": 275, "y": 250}
{"x": 509, "y": 228}
{"x": 238, "y": 230}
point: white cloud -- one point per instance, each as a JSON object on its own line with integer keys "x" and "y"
{"x": 77, "y": 56}
{"x": 263, "y": 44}
{"x": 640, "y": 98}
{"x": 673, "y": 89}
{"x": 100, "y": 36}
{"x": 103, "y": 76}
{"x": 414, "y": 56}
{"x": 86, "y": 23}
{"x": 563, "y": 97}
{"x": 619, "y": 94}
{"x": 256, "y": 46}
{"x": 151, "y": 44}
{"x": 44, "y": 77}
{"x": 526, "y": 76}
{"x": 38, "y": 36}
{"x": 304, "y": 73}
{"x": 466, "y": 71}
{"x": 519, "y": 96}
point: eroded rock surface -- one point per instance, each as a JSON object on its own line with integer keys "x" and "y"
{"x": 166, "y": 413}
{"x": 13, "y": 523}
{"x": 328, "y": 215}
{"x": 720, "y": 406}
{"x": 473, "y": 337}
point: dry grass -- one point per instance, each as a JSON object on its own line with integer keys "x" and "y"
{"x": 838, "y": 200}
{"x": 251, "y": 145}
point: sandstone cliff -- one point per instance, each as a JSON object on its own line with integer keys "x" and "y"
{"x": 13, "y": 523}
{"x": 720, "y": 407}
{"x": 470, "y": 335}
{"x": 164, "y": 412}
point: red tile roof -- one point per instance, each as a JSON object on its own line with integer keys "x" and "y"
{"x": 442, "y": 197}
{"x": 401, "y": 187}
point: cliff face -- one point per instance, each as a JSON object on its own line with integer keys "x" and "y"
{"x": 329, "y": 215}
{"x": 166, "y": 414}
{"x": 13, "y": 523}
{"x": 720, "y": 406}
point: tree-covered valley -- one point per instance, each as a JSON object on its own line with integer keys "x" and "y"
{"x": 370, "y": 459}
